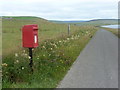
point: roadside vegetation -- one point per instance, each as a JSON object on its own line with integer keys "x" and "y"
{"x": 114, "y": 31}
{"x": 52, "y": 59}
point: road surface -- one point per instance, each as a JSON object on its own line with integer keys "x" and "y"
{"x": 97, "y": 65}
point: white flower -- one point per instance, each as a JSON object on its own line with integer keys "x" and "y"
{"x": 17, "y": 61}
{"x": 23, "y": 68}
{"x": 38, "y": 58}
{"x": 59, "y": 41}
{"x": 29, "y": 57}
{"x": 51, "y": 44}
{"x": 24, "y": 51}
{"x": 43, "y": 46}
{"x": 56, "y": 46}
{"x": 86, "y": 31}
{"x": 25, "y": 54}
{"x": 4, "y": 64}
{"x": 51, "y": 48}
{"x": 68, "y": 39}
{"x": 16, "y": 55}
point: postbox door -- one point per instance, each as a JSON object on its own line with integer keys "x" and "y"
{"x": 27, "y": 37}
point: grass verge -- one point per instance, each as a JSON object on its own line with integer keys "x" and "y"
{"x": 52, "y": 59}
{"x": 114, "y": 31}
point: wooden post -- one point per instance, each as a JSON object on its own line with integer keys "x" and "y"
{"x": 31, "y": 59}
{"x": 68, "y": 29}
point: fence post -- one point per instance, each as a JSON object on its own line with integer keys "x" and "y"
{"x": 68, "y": 29}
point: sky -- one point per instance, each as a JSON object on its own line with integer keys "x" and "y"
{"x": 61, "y": 9}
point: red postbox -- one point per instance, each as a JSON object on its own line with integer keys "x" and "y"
{"x": 30, "y": 36}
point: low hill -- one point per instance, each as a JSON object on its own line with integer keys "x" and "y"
{"x": 55, "y": 21}
{"x": 96, "y": 22}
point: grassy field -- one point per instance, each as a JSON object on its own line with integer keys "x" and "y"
{"x": 96, "y": 22}
{"x": 47, "y": 30}
{"x": 52, "y": 59}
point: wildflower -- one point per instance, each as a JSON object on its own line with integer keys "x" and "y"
{"x": 49, "y": 54}
{"x": 59, "y": 41}
{"x": 86, "y": 31}
{"x": 38, "y": 58}
{"x": 24, "y": 51}
{"x": 68, "y": 39}
{"x": 61, "y": 61}
{"x": 16, "y": 55}
{"x": 43, "y": 47}
{"x": 22, "y": 68}
{"x": 29, "y": 57}
{"x": 4, "y": 64}
{"x": 56, "y": 46}
{"x": 6, "y": 72}
{"x": 17, "y": 61}
{"x": 25, "y": 54}
{"x": 51, "y": 48}
{"x": 44, "y": 55}
{"x": 51, "y": 43}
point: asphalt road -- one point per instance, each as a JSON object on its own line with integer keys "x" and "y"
{"x": 97, "y": 65}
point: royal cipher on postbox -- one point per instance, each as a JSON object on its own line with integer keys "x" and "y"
{"x": 30, "y": 36}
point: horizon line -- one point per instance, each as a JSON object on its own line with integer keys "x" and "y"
{"x": 60, "y": 19}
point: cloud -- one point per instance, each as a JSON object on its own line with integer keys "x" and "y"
{"x": 61, "y": 9}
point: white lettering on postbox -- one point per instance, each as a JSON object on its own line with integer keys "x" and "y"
{"x": 35, "y": 39}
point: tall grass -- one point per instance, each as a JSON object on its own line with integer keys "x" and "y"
{"x": 12, "y": 32}
{"x": 52, "y": 59}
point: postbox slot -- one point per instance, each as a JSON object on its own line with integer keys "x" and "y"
{"x": 35, "y": 28}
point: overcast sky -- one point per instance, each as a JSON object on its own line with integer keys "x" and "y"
{"x": 61, "y": 9}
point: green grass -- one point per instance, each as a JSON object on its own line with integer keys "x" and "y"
{"x": 114, "y": 31}
{"x": 52, "y": 59}
{"x": 12, "y": 29}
